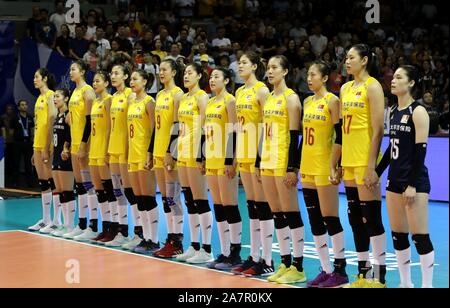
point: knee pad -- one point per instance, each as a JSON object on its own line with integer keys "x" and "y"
{"x": 264, "y": 211}
{"x": 202, "y": 206}
{"x": 61, "y": 198}
{"x": 140, "y": 204}
{"x": 149, "y": 203}
{"x": 233, "y": 214}
{"x": 166, "y": 205}
{"x": 371, "y": 211}
{"x": 69, "y": 195}
{"x": 294, "y": 220}
{"x": 333, "y": 225}
{"x": 352, "y": 195}
{"x": 188, "y": 197}
{"x": 129, "y": 194}
{"x": 314, "y": 214}
{"x": 279, "y": 220}
{"x": 423, "y": 243}
{"x": 52, "y": 184}
{"x": 109, "y": 190}
{"x": 400, "y": 240}
{"x": 101, "y": 196}
{"x": 252, "y": 211}
{"x": 219, "y": 213}
{"x": 80, "y": 189}
{"x": 44, "y": 184}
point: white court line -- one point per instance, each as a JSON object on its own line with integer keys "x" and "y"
{"x": 147, "y": 257}
{"x": 7, "y": 231}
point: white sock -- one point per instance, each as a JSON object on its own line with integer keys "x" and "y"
{"x": 363, "y": 256}
{"x": 93, "y": 206}
{"x": 114, "y": 211}
{"x": 283, "y": 238}
{"x": 71, "y": 205}
{"x": 404, "y": 266}
{"x": 105, "y": 212}
{"x": 338, "y": 242}
{"x": 206, "y": 221}
{"x": 321, "y": 242}
{"x": 236, "y": 233}
{"x": 145, "y": 225}
{"x": 427, "y": 266}
{"x": 177, "y": 224}
{"x": 64, "y": 214}
{"x": 267, "y": 229}
{"x": 224, "y": 237}
{"x": 169, "y": 223}
{"x": 298, "y": 241}
{"x": 82, "y": 206}
{"x": 136, "y": 216}
{"x": 152, "y": 216}
{"x": 194, "y": 227}
{"x": 255, "y": 239}
{"x": 46, "y": 207}
{"x": 379, "y": 249}
{"x": 56, "y": 209}
{"x": 123, "y": 215}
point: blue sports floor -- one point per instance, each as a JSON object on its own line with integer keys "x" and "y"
{"x": 18, "y": 214}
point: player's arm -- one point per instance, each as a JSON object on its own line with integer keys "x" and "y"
{"x": 202, "y": 102}
{"x": 232, "y": 137}
{"x": 294, "y": 112}
{"x": 175, "y": 127}
{"x": 108, "y": 122}
{"x": 335, "y": 110}
{"x": 89, "y": 97}
{"x": 421, "y": 122}
{"x": 51, "y": 115}
{"x": 261, "y": 95}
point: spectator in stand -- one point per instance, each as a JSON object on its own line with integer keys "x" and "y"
{"x": 158, "y": 51}
{"x": 234, "y": 68}
{"x": 221, "y": 44}
{"x": 110, "y": 34}
{"x": 199, "y": 51}
{"x": 174, "y": 52}
{"x": 318, "y": 41}
{"x": 62, "y": 44}
{"x": 165, "y": 38}
{"x": 8, "y": 124}
{"x": 33, "y": 22}
{"x": 207, "y": 70}
{"x": 443, "y": 120}
{"x": 297, "y": 32}
{"x": 291, "y": 53}
{"x": 59, "y": 17}
{"x": 440, "y": 80}
{"x": 104, "y": 47}
{"x": 138, "y": 54}
{"x": 268, "y": 44}
{"x": 147, "y": 41}
{"x": 426, "y": 80}
{"x": 91, "y": 57}
{"x": 388, "y": 74}
{"x": 186, "y": 46}
{"x": 124, "y": 42}
{"x": 78, "y": 45}
{"x": 91, "y": 29}
{"x": 46, "y": 31}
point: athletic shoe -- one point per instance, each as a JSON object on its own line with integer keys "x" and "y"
{"x": 131, "y": 245}
{"x": 376, "y": 284}
{"x": 108, "y": 237}
{"x": 75, "y": 232}
{"x": 259, "y": 269}
{"x": 322, "y": 277}
{"x": 118, "y": 241}
{"x": 238, "y": 269}
{"x": 212, "y": 265}
{"x": 281, "y": 270}
{"x": 61, "y": 232}
{"x": 86, "y": 236}
{"x": 334, "y": 281}
{"x": 38, "y": 226}
{"x": 49, "y": 229}
{"x": 98, "y": 238}
{"x": 200, "y": 257}
{"x": 169, "y": 250}
{"x": 228, "y": 263}
{"x": 186, "y": 255}
{"x": 360, "y": 282}
{"x": 146, "y": 247}
{"x": 292, "y": 275}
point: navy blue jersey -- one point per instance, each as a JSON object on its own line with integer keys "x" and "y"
{"x": 403, "y": 141}
{"x": 60, "y": 130}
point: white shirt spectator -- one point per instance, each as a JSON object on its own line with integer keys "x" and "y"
{"x": 169, "y": 38}
{"x": 318, "y": 43}
{"x": 91, "y": 33}
{"x": 217, "y": 42}
{"x": 103, "y": 46}
{"x": 58, "y": 20}
{"x": 297, "y": 34}
{"x": 172, "y": 57}
{"x": 234, "y": 68}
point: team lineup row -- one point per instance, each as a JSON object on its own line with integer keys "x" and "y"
{"x": 118, "y": 148}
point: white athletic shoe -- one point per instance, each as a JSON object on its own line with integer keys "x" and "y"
{"x": 186, "y": 255}
{"x": 201, "y": 256}
{"x": 49, "y": 229}
{"x": 61, "y": 231}
{"x": 75, "y": 232}
{"x": 38, "y": 226}
{"x": 118, "y": 241}
{"x": 132, "y": 244}
{"x": 86, "y": 236}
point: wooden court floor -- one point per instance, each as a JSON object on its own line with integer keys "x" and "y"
{"x": 36, "y": 261}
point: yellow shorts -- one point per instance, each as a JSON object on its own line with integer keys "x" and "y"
{"x": 117, "y": 159}
{"x": 187, "y": 164}
{"x": 97, "y": 162}
{"x": 158, "y": 163}
{"x": 355, "y": 173}
{"x": 273, "y": 172}
{"x": 220, "y": 171}
{"x": 247, "y": 167}
{"x": 318, "y": 180}
{"x": 135, "y": 167}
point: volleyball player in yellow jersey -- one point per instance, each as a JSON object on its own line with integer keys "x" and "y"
{"x": 117, "y": 150}
{"x": 164, "y": 152}
{"x": 190, "y": 114}
{"x": 98, "y": 156}
{"x": 250, "y": 100}
{"x": 279, "y": 169}
{"x": 44, "y": 114}
{"x": 140, "y": 126}
{"x": 80, "y": 105}
{"x": 221, "y": 166}
{"x": 320, "y": 123}
{"x": 362, "y": 109}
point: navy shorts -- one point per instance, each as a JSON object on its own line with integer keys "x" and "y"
{"x": 61, "y": 165}
{"x": 399, "y": 187}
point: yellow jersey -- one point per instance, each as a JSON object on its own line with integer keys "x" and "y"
{"x": 318, "y": 133}
{"x": 249, "y": 116}
{"x": 190, "y": 127}
{"x": 77, "y": 114}
{"x": 357, "y": 125}
{"x": 164, "y": 114}
{"x": 216, "y": 132}
{"x": 41, "y": 120}
{"x": 99, "y": 122}
{"x": 118, "y": 115}
{"x": 276, "y": 140}
{"x": 139, "y": 133}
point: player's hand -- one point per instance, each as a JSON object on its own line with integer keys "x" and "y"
{"x": 82, "y": 152}
{"x": 291, "y": 179}
{"x": 107, "y": 159}
{"x": 65, "y": 154}
{"x": 202, "y": 167}
{"x": 149, "y": 162}
{"x": 371, "y": 181}
{"x": 45, "y": 156}
{"x": 258, "y": 174}
{"x": 409, "y": 196}
{"x": 169, "y": 162}
{"x": 335, "y": 175}
{"x": 230, "y": 171}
